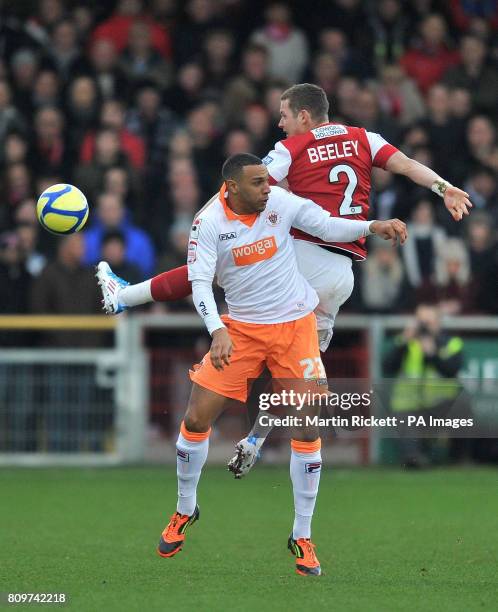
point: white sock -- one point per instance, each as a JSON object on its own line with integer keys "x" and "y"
{"x": 259, "y": 433}
{"x": 190, "y": 458}
{"x": 135, "y": 295}
{"x": 305, "y": 471}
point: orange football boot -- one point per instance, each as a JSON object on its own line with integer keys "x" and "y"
{"x": 173, "y": 536}
{"x": 306, "y": 562}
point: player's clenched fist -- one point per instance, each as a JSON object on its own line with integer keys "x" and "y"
{"x": 392, "y": 229}
{"x": 221, "y": 348}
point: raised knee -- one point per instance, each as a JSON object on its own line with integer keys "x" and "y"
{"x": 196, "y": 423}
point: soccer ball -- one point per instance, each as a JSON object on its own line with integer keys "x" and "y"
{"x": 62, "y": 209}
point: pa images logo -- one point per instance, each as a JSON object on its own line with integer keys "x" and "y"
{"x": 273, "y": 218}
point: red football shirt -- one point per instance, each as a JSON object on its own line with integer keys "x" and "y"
{"x": 332, "y": 166}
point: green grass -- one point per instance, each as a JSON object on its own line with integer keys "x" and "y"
{"x": 386, "y": 540}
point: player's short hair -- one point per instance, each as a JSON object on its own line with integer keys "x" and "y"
{"x": 232, "y": 167}
{"x": 309, "y": 97}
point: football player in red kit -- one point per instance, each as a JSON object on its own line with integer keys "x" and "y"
{"x": 330, "y": 164}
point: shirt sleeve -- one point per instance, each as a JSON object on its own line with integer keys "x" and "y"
{"x": 202, "y": 253}
{"x": 277, "y": 163}
{"x": 202, "y": 256}
{"x": 380, "y": 149}
{"x": 205, "y": 304}
{"x": 314, "y": 220}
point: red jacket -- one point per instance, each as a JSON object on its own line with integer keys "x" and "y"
{"x": 117, "y": 28}
{"x": 427, "y": 66}
{"x": 132, "y": 145}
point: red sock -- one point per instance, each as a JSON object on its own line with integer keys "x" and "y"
{"x": 171, "y": 285}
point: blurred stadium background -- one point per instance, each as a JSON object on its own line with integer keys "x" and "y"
{"x": 137, "y": 103}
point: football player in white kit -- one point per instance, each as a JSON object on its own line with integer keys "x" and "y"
{"x": 242, "y": 237}
{"x": 330, "y": 164}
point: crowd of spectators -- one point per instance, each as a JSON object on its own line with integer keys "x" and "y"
{"x": 138, "y": 102}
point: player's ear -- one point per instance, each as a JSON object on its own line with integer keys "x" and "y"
{"x": 304, "y": 116}
{"x": 232, "y": 186}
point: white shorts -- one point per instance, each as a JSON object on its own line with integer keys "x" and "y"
{"x": 331, "y": 276}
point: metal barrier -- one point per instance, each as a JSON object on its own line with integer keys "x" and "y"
{"x": 72, "y": 406}
{"x": 92, "y": 406}
{"x": 367, "y": 360}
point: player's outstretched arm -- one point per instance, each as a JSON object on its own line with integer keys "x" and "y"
{"x": 392, "y": 229}
{"x": 456, "y": 201}
{"x": 314, "y": 220}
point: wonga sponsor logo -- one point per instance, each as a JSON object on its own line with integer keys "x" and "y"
{"x": 248, "y": 254}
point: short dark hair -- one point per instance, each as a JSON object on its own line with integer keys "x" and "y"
{"x": 256, "y": 48}
{"x": 113, "y": 235}
{"x": 309, "y": 97}
{"x": 232, "y": 167}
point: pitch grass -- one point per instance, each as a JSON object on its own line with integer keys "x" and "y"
{"x": 387, "y": 540}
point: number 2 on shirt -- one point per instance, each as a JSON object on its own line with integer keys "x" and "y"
{"x": 347, "y": 207}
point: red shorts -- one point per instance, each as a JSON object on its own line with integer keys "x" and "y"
{"x": 289, "y": 350}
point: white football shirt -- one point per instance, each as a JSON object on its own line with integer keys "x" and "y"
{"x": 253, "y": 257}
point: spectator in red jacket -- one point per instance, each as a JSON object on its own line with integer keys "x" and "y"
{"x": 117, "y": 27}
{"x": 428, "y": 60}
{"x": 112, "y": 115}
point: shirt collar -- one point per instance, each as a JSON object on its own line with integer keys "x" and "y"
{"x": 248, "y": 220}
